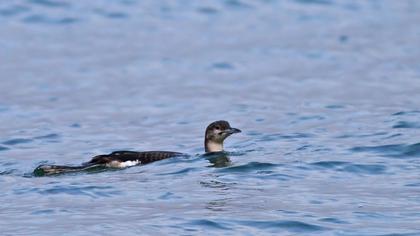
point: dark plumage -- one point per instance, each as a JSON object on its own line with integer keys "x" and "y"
{"x": 215, "y": 134}
{"x": 141, "y": 157}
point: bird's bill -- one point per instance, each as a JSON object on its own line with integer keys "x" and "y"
{"x": 233, "y": 131}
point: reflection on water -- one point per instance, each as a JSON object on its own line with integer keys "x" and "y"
{"x": 325, "y": 91}
{"x": 218, "y": 159}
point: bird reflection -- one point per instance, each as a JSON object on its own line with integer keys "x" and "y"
{"x": 218, "y": 204}
{"x": 221, "y": 190}
{"x": 218, "y": 159}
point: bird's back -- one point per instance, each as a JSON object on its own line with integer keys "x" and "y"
{"x": 131, "y": 156}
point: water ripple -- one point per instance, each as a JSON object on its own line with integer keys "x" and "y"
{"x": 321, "y": 2}
{"x": 180, "y": 172}
{"x": 391, "y": 150}
{"x": 42, "y": 19}
{"x": 217, "y": 184}
{"x": 292, "y": 226}
{"x": 397, "y": 234}
{"x": 48, "y": 136}
{"x": 350, "y": 167}
{"x": 168, "y": 196}
{"x": 81, "y": 78}
{"x": 208, "y": 224}
{"x": 274, "y": 137}
{"x": 413, "y": 184}
{"x": 222, "y": 66}
{"x": 407, "y": 113}
{"x": 12, "y": 11}
{"x": 52, "y": 4}
{"x": 250, "y": 167}
{"x": 333, "y": 220}
{"x": 8, "y": 171}
{"x": 43, "y": 212}
{"x": 207, "y": 10}
{"x": 90, "y": 191}
{"x": 237, "y": 4}
{"x": 362, "y": 135}
{"x": 113, "y": 15}
{"x": 17, "y": 141}
{"x": 334, "y": 106}
{"x": 406, "y": 125}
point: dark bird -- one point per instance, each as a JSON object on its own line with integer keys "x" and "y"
{"x": 215, "y": 134}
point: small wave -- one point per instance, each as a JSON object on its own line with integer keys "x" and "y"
{"x": 275, "y": 137}
{"x": 48, "y": 136}
{"x": 252, "y": 166}
{"x": 352, "y": 168}
{"x": 321, "y": 2}
{"x": 405, "y": 113}
{"x": 289, "y": 225}
{"x": 413, "y": 185}
{"x": 372, "y": 169}
{"x": 183, "y": 171}
{"x": 361, "y": 135}
{"x": 75, "y": 125}
{"x": 43, "y": 212}
{"x": 406, "y": 125}
{"x": 41, "y": 19}
{"x": 168, "y": 196}
{"x": 334, "y": 106}
{"x": 113, "y": 15}
{"x": 333, "y": 220}
{"x": 90, "y": 191}
{"x": 16, "y": 141}
{"x": 397, "y": 234}
{"x": 329, "y": 164}
{"x": 8, "y": 12}
{"x": 314, "y": 117}
{"x": 208, "y": 224}
{"x": 222, "y": 66}
{"x": 237, "y": 4}
{"x": 392, "y": 150}
{"x": 392, "y": 136}
{"x": 217, "y": 184}
{"x": 207, "y": 10}
{"x": 8, "y": 171}
{"x": 52, "y": 4}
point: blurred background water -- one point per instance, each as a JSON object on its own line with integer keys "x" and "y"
{"x": 327, "y": 94}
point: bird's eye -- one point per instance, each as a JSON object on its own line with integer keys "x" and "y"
{"x": 217, "y": 127}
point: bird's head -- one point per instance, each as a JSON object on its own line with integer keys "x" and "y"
{"x": 216, "y": 133}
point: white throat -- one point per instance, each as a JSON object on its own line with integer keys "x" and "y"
{"x": 213, "y": 146}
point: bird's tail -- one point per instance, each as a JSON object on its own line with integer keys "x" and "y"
{"x": 44, "y": 170}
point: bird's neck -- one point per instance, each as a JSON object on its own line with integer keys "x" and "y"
{"x": 212, "y": 146}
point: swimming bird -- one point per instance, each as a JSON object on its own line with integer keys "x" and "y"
{"x": 215, "y": 134}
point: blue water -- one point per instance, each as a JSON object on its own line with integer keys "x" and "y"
{"x": 327, "y": 94}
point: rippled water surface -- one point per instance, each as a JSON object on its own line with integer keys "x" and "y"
{"x": 327, "y": 94}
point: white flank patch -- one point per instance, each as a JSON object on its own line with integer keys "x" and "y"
{"x": 124, "y": 164}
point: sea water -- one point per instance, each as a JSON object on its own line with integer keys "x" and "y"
{"x": 327, "y": 94}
